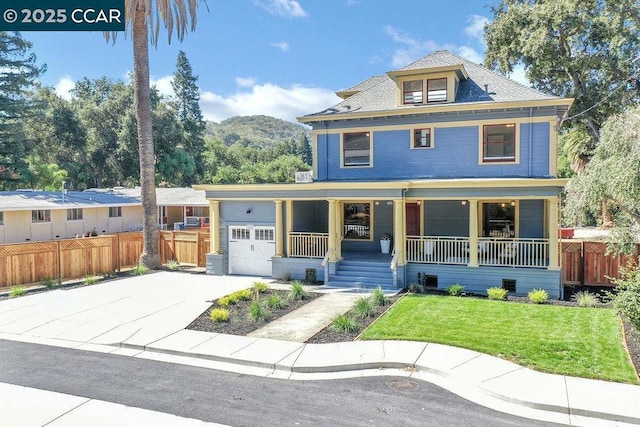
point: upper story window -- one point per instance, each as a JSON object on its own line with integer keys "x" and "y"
{"x": 1, "y": 218}
{"x": 356, "y": 149}
{"x": 437, "y": 90}
{"x": 412, "y": 92}
{"x": 41, "y": 215}
{"x": 74, "y": 214}
{"x": 422, "y": 138}
{"x": 115, "y": 211}
{"x": 499, "y": 143}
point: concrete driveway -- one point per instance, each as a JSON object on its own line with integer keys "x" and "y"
{"x": 131, "y": 311}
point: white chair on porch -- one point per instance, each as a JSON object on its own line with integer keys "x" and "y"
{"x": 429, "y": 246}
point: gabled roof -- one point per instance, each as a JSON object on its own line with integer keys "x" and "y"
{"x": 482, "y": 88}
{"x": 371, "y": 81}
{"x": 183, "y": 196}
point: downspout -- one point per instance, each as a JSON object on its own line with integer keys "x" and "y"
{"x": 531, "y": 140}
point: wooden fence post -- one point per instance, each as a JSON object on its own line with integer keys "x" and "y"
{"x": 59, "y": 263}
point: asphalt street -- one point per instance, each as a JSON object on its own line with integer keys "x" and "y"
{"x": 241, "y": 400}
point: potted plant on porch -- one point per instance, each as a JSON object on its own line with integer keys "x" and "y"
{"x": 385, "y": 243}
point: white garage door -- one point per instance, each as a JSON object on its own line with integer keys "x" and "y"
{"x": 251, "y": 249}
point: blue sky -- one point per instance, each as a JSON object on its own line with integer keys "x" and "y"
{"x": 283, "y": 58}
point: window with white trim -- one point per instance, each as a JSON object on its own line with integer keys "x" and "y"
{"x": 422, "y": 138}
{"x": 41, "y": 215}
{"x": 499, "y": 143}
{"x": 74, "y": 214}
{"x": 412, "y": 92}
{"x": 115, "y": 211}
{"x": 437, "y": 90}
{"x": 356, "y": 149}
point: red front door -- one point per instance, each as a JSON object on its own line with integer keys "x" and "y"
{"x": 413, "y": 219}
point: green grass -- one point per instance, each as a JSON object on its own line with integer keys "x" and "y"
{"x": 581, "y": 342}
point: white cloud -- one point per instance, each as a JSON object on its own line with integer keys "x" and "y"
{"x": 518, "y": 75}
{"x": 285, "y": 103}
{"x": 475, "y": 29}
{"x": 283, "y": 46}
{"x": 245, "y": 81}
{"x": 64, "y": 86}
{"x": 288, "y": 8}
{"x": 163, "y": 84}
{"x": 413, "y": 49}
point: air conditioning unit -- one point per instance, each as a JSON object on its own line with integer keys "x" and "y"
{"x": 304, "y": 176}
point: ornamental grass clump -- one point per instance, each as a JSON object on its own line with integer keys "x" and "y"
{"x": 139, "y": 270}
{"x": 344, "y": 324}
{"x": 49, "y": 284}
{"x": 378, "y": 297}
{"x": 257, "y": 312}
{"x": 456, "y": 290}
{"x": 275, "y": 302}
{"x": 364, "y": 308}
{"x": 90, "y": 280}
{"x": 297, "y": 291}
{"x": 17, "y": 291}
{"x": 497, "y": 294}
{"x": 173, "y": 264}
{"x": 219, "y": 315}
{"x": 538, "y": 296}
{"x": 585, "y": 299}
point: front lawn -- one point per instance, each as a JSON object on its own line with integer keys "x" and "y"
{"x": 581, "y": 342}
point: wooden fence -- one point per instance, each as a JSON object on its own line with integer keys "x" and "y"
{"x": 24, "y": 263}
{"x": 586, "y": 263}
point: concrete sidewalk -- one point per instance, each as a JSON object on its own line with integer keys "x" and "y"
{"x": 145, "y": 317}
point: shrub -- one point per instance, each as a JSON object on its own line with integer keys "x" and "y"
{"x": 218, "y": 315}
{"x": 415, "y": 288}
{"x": 257, "y": 312}
{"x": 378, "y": 297}
{"x": 364, "y": 308}
{"x": 49, "y": 284}
{"x": 242, "y": 295}
{"x": 17, "y": 291}
{"x": 585, "y": 299}
{"x": 173, "y": 264}
{"x": 228, "y": 300}
{"x": 139, "y": 270}
{"x": 455, "y": 290}
{"x": 260, "y": 287}
{"x": 286, "y": 276}
{"x": 626, "y": 295}
{"x": 538, "y": 296}
{"x": 274, "y": 301}
{"x": 297, "y": 291}
{"x": 90, "y": 280}
{"x": 344, "y": 324}
{"x": 496, "y": 293}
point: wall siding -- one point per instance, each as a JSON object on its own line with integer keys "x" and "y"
{"x": 235, "y": 213}
{"x": 311, "y": 216}
{"x": 446, "y": 218}
{"x": 455, "y": 155}
{"x": 531, "y": 221}
{"x": 478, "y": 280}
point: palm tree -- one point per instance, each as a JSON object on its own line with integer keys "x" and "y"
{"x": 144, "y": 17}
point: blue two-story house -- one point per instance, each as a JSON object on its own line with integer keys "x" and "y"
{"x": 454, "y": 164}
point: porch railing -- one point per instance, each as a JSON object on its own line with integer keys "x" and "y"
{"x": 438, "y": 250}
{"x": 492, "y": 251}
{"x": 513, "y": 252}
{"x": 308, "y": 245}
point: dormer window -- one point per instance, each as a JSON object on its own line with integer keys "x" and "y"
{"x": 412, "y": 92}
{"x": 437, "y": 90}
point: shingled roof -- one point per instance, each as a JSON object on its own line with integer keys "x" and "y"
{"x": 379, "y": 93}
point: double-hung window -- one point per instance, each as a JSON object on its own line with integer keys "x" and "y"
{"x": 412, "y": 92}
{"x": 499, "y": 143}
{"x": 422, "y": 138}
{"x": 115, "y": 211}
{"x": 74, "y": 214}
{"x": 356, "y": 149}
{"x": 437, "y": 90}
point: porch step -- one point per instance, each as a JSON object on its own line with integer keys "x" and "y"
{"x": 362, "y": 274}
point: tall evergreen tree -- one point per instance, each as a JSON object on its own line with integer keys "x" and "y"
{"x": 187, "y": 94}
{"x": 18, "y": 73}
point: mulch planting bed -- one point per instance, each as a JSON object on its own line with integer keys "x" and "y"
{"x": 329, "y": 335}
{"x": 239, "y": 322}
{"x": 633, "y": 343}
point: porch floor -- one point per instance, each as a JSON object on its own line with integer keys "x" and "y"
{"x": 366, "y": 256}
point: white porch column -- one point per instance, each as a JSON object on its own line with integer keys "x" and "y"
{"x": 339, "y": 231}
{"x": 552, "y": 231}
{"x": 289, "y": 226}
{"x": 214, "y": 226}
{"x": 332, "y": 229}
{"x": 473, "y": 233}
{"x": 279, "y": 226}
{"x": 399, "y": 237}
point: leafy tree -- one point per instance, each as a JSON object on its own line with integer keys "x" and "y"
{"x": 140, "y": 14}
{"x": 587, "y": 50}
{"x": 612, "y": 174}
{"x": 187, "y": 96}
{"x": 18, "y": 73}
